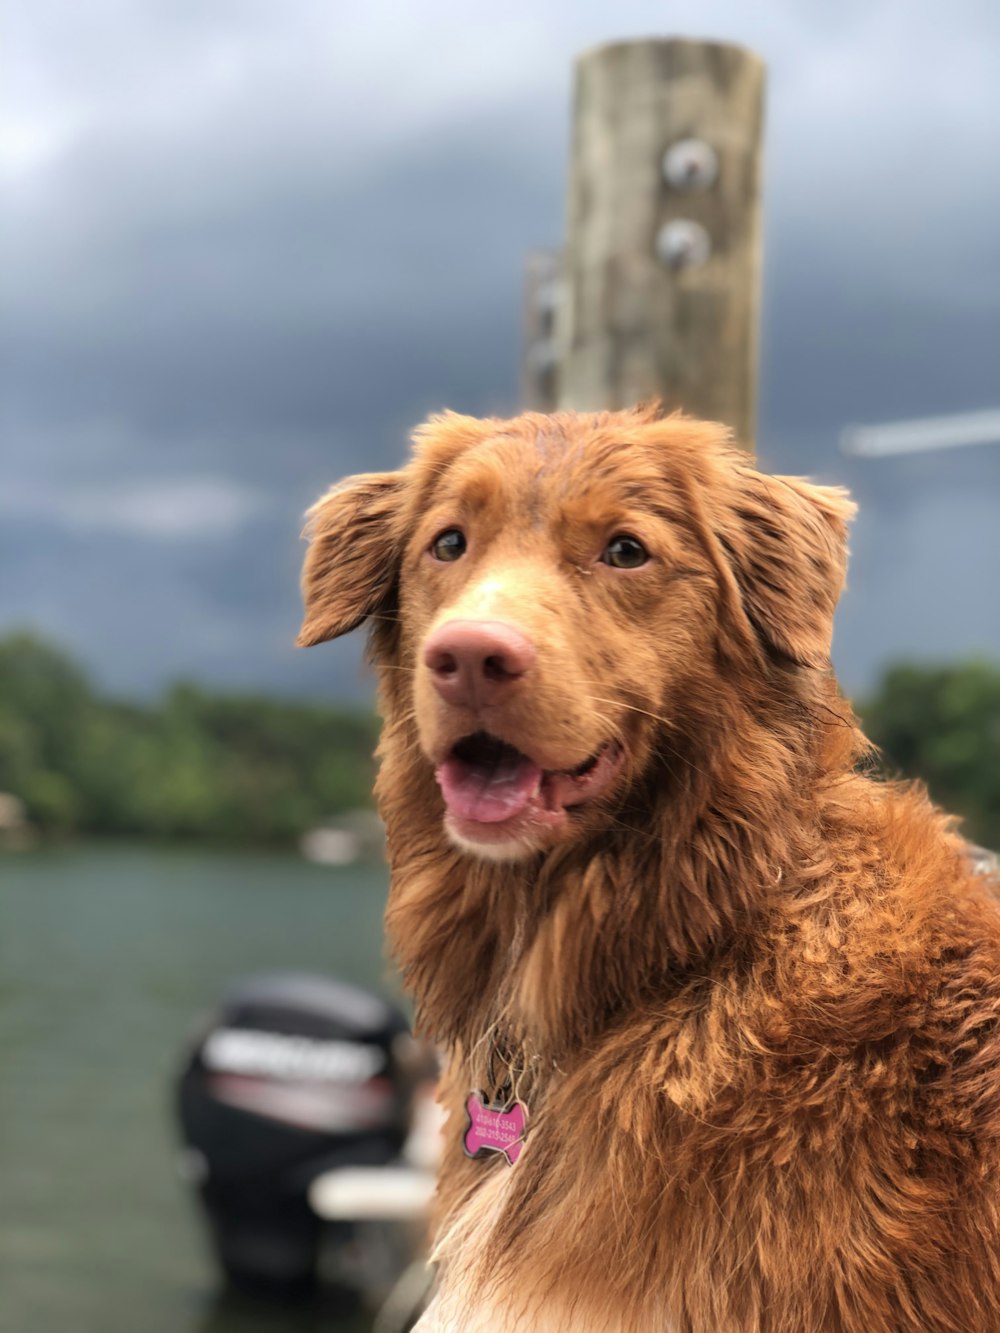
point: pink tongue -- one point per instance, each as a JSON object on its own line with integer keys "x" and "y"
{"x": 488, "y": 792}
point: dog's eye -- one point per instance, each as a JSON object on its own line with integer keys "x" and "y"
{"x": 624, "y": 552}
{"x": 448, "y": 545}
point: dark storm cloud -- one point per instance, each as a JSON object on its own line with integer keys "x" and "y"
{"x": 289, "y": 314}
{"x": 250, "y": 245}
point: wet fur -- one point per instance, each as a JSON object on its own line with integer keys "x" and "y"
{"x": 751, "y": 1005}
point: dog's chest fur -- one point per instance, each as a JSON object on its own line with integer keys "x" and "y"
{"x": 462, "y": 1305}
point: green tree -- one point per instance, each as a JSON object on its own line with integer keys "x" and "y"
{"x": 942, "y": 724}
{"x": 197, "y": 765}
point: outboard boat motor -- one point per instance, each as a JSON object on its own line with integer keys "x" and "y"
{"x": 295, "y": 1076}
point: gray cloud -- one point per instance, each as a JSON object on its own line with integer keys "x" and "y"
{"x": 248, "y": 246}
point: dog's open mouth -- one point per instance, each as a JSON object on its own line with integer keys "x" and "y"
{"x": 486, "y": 781}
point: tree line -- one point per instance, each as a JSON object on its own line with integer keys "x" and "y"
{"x": 942, "y": 724}
{"x": 196, "y": 764}
{"x": 201, "y": 764}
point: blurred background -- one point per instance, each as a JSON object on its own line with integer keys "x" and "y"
{"x": 246, "y": 247}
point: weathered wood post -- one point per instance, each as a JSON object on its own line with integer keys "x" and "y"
{"x": 539, "y": 349}
{"x": 662, "y": 265}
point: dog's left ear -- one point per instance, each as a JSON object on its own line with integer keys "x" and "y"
{"x": 788, "y": 547}
{"x": 351, "y": 566}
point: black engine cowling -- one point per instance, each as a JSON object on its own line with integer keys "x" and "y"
{"x": 294, "y": 1075}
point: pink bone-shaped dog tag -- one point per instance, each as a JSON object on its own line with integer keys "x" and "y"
{"x": 494, "y": 1128}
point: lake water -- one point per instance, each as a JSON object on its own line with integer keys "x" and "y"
{"x": 108, "y": 956}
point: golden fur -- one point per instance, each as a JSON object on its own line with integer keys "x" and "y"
{"x": 749, "y": 995}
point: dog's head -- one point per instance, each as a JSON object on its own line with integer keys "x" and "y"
{"x": 552, "y": 598}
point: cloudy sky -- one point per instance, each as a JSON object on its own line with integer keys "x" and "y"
{"x": 247, "y": 245}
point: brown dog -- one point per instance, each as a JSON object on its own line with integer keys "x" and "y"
{"x": 747, "y": 997}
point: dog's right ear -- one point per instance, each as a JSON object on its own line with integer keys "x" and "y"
{"x": 351, "y": 566}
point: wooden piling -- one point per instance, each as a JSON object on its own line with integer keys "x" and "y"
{"x": 661, "y": 272}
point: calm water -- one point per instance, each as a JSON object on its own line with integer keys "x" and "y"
{"x": 108, "y": 956}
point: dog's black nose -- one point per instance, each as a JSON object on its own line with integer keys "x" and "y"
{"x": 474, "y": 663}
